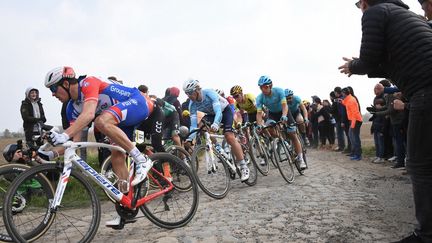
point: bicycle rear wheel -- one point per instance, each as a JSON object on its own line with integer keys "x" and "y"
{"x": 215, "y": 184}
{"x": 177, "y": 207}
{"x": 75, "y": 220}
{"x": 284, "y": 161}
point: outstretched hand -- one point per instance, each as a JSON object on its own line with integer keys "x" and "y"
{"x": 345, "y": 67}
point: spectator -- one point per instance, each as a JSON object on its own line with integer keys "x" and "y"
{"x": 398, "y": 130}
{"x": 344, "y": 123}
{"x": 32, "y": 113}
{"x": 355, "y": 118}
{"x": 401, "y": 50}
{"x": 377, "y": 128}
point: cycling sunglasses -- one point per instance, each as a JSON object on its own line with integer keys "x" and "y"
{"x": 236, "y": 96}
{"x": 53, "y": 88}
{"x": 189, "y": 93}
{"x": 265, "y": 86}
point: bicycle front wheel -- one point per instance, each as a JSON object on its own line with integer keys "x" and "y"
{"x": 261, "y": 156}
{"x": 75, "y": 220}
{"x": 42, "y": 185}
{"x": 177, "y": 207}
{"x": 214, "y": 183}
{"x": 284, "y": 161}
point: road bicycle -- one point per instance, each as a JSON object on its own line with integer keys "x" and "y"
{"x": 214, "y": 166}
{"x": 73, "y": 212}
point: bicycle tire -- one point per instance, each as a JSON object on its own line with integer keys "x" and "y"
{"x": 162, "y": 210}
{"x": 9, "y": 172}
{"x": 73, "y": 207}
{"x": 258, "y": 148}
{"x": 216, "y": 184}
{"x": 180, "y": 152}
{"x": 284, "y": 160}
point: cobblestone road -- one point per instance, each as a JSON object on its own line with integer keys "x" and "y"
{"x": 338, "y": 200}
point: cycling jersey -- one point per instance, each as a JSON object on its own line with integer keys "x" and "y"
{"x": 127, "y": 105}
{"x": 248, "y": 104}
{"x": 273, "y": 102}
{"x": 295, "y": 104}
{"x": 211, "y": 104}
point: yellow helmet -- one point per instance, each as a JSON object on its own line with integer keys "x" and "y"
{"x": 305, "y": 102}
{"x": 185, "y": 113}
{"x": 236, "y": 90}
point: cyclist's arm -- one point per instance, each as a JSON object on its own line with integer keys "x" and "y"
{"x": 193, "y": 119}
{"x": 259, "y": 106}
{"x": 284, "y": 109}
{"x": 304, "y": 111}
{"x": 217, "y": 109}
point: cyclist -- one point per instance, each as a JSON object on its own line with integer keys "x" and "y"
{"x": 298, "y": 111}
{"x": 171, "y": 123}
{"x": 217, "y": 111}
{"x": 119, "y": 109}
{"x": 245, "y": 103}
{"x": 274, "y": 99}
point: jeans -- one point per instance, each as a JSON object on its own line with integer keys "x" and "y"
{"x": 419, "y": 159}
{"x": 379, "y": 144}
{"x": 340, "y": 135}
{"x": 354, "y": 136}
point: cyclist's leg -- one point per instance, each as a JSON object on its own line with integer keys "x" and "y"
{"x": 118, "y": 121}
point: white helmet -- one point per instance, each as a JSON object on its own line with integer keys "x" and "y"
{"x": 190, "y": 85}
{"x": 57, "y": 74}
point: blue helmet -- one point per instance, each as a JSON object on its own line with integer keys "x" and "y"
{"x": 288, "y": 92}
{"x": 264, "y": 80}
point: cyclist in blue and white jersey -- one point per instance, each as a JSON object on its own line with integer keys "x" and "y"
{"x": 274, "y": 99}
{"x": 298, "y": 111}
{"x": 217, "y": 111}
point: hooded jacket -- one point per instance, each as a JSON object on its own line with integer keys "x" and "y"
{"x": 27, "y": 111}
{"x": 396, "y": 44}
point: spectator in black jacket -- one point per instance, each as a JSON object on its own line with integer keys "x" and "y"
{"x": 343, "y": 126}
{"x": 397, "y": 44}
{"x": 32, "y": 113}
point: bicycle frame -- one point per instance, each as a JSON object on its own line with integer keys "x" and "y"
{"x": 71, "y": 159}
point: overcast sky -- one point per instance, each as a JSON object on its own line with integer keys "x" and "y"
{"x": 299, "y": 44}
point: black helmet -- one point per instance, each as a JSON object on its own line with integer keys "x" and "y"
{"x": 9, "y": 151}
